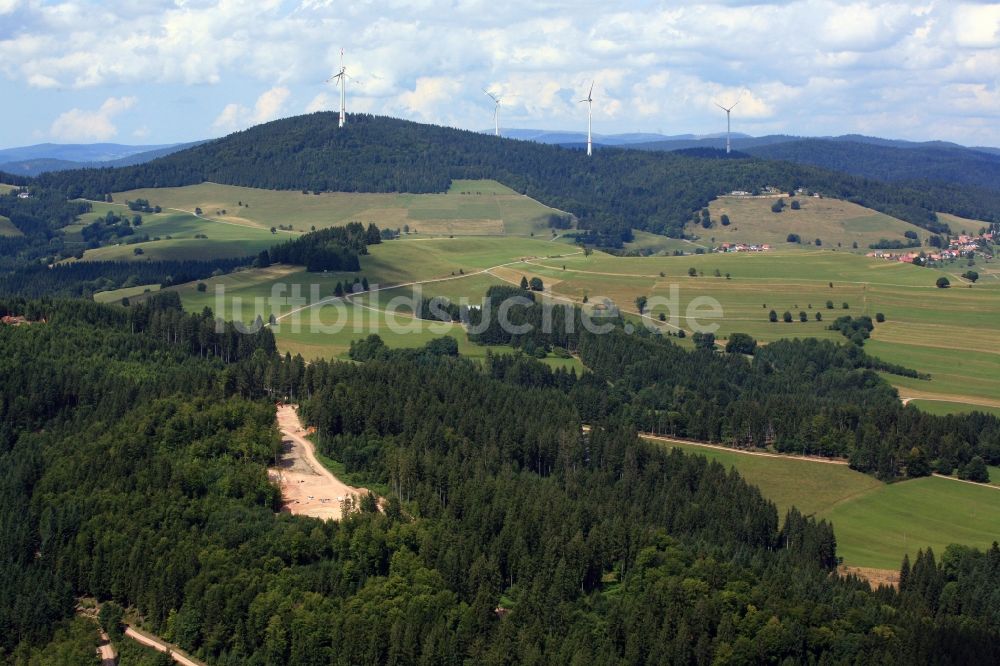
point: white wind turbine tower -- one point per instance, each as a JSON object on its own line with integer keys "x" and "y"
{"x": 341, "y": 78}
{"x": 590, "y": 116}
{"x": 496, "y": 110}
{"x": 728, "y": 126}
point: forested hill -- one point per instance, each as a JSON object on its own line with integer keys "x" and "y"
{"x": 134, "y": 456}
{"x": 921, "y": 162}
{"x": 611, "y": 193}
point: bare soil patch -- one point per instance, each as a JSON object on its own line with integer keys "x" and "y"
{"x": 307, "y": 487}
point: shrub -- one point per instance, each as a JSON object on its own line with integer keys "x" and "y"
{"x": 879, "y": 317}
{"x": 787, "y": 317}
{"x": 943, "y": 283}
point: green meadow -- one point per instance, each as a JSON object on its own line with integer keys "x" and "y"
{"x": 837, "y": 223}
{"x": 875, "y": 523}
{"x": 181, "y": 236}
{"x": 468, "y": 208}
{"x": 947, "y": 333}
{"x": 7, "y": 227}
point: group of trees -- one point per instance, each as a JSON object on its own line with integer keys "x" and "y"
{"x": 331, "y": 249}
{"x": 85, "y": 278}
{"x": 653, "y": 191}
{"x": 804, "y": 396}
{"x": 39, "y": 218}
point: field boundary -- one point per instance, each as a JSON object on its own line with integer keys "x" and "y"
{"x": 785, "y": 456}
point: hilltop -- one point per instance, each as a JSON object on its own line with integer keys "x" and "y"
{"x": 613, "y": 193}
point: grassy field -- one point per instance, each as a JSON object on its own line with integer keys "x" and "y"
{"x": 116, "y": 295}
{"x": 4, "y": 189}
{"x": 949, "y": 333}
{"x": 837, "y": 223}
{"x": 7, "y": 227}
{"x": 961, "y": 225}
{"x": 941, "y": 407}
{"x": 468, "y": 208}
{"x": 875, "y": 523}
{"x": 647, "y": 243}
{"x": 326, "y": 330}
{"x": 177, "y": 233}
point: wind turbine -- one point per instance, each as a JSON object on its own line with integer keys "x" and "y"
{"x": 590, "y": 116}
{"x": 341, "y": 79}
{"x": 496, "y": 110}
{"x": 728, "y": 111}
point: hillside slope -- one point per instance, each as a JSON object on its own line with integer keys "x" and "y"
{"x": 614, "y": 192}
{"x": 930, "y": 162}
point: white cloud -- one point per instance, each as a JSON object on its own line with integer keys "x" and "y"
{"x": 977, "y": 26}
{"x": 429, "y": 95}
{"x": 657, "y": 64}
{"x": 82, "y": 125}
{"x": 269, "y": 106}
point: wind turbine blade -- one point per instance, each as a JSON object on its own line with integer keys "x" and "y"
{"x": 590, "y": 94}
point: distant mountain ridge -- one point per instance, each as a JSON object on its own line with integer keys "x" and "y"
{"x": 46, "y": 157}
{"x": 611, "y": 194}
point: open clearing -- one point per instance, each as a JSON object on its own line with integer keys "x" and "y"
{"x": 875, "y": 523}
{"x": 468, "y": 208}
{"x": 831, "y": 220}
{"x": 7, "y": 228}
{"x": 307, "y": 487}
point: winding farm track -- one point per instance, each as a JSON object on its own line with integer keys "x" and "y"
{"x": 484, "y": 271}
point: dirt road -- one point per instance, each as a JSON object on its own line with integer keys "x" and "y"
{"x": 106, "y": 651}
{"x": 161, "y": 646}
{"x": 307, "y": 487}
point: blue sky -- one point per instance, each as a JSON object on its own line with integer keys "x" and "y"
{"x": 157, "y": 71}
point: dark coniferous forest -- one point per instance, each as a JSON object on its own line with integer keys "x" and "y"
{"x": 135, "y": 453}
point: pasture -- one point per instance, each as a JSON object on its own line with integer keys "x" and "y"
{"x": 835, "y": 222}
{"x": 468, "y": 208}
{"x": 875, "y": 523}
{"x": 180, "y": 236}
{"x": 7, "y": 228}
{"x": 948, "y": 333}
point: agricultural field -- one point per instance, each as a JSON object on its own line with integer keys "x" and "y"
{"x": 646, "y": 243}
{"x": 328, "y": 328}
{"x": 7, "y": 227}
{"x": 835, "y": 222}
{"x": 875, "y": 523}
{"x": 468, "y": 208}
{"x": 116, "y": 295}
{"x": 945, "y": 332}
{"x": 961, "y": 225}
{"x": 182, "y": 236}
{"x": 941, "y": 408}
{"x": 4, "y": 189}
